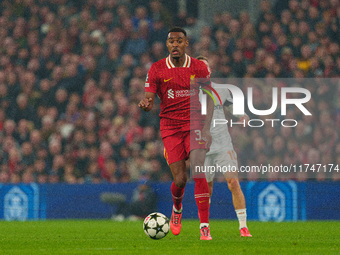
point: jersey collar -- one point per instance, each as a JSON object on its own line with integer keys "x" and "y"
{"x": 170, "y": 65}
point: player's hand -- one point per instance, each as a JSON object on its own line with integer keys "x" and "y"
{"x": 244, "y": 118}
{"x": 145, "y": 104}
{"x": 206, "y": 136}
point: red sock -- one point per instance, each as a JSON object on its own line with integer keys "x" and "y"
{"x": 177, "y": 195}
{"x": 202, "y": 198}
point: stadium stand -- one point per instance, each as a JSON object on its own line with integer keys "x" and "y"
{"x": 72, "y": 73}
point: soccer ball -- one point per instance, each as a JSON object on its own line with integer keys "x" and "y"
{"x": 156, "y": 225}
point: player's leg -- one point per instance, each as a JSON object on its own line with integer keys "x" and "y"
{"x": 210, "y": 172}
{"x": 197, "y": 152}
{"x": 202, "y": 195}
{"x": 237, "y": 194}
{"x": 239, "y": 205}
{"x": 175, "y": 155}
{"x": 178, "y": 170}
{"x": 229, "y": 158}
{"x": 211, "y": 187}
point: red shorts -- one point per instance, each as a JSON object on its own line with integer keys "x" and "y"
{"x": 177, "y": 145}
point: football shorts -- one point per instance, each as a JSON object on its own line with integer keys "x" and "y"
{"x": 221, "y": 163}
{"x": 177, "y": 145}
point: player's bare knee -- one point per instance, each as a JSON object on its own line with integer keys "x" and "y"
{"x": 233, "y": 184}
{"x": 180, "y": 181}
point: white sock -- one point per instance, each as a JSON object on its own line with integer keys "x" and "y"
{"x": 242, "y": 217}
{"x": 202, "y": 225}
{"x": 178, "y": 211}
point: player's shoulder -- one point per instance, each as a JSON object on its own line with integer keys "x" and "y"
{"x": 221, "y": 86}
{"x": 200, "y": 67}
{"x": 159, "y": 64}
{"x": 198, "y": 63}
{"x": 217, "y": 85}
{"x": 222, "y": 90}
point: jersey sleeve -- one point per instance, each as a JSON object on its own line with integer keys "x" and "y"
{"x": 151, "y": 80}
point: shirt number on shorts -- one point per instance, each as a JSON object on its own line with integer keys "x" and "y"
{"x": 199, "y": 134}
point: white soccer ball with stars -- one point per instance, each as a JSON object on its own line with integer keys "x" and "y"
{"x": 156, "y": 225}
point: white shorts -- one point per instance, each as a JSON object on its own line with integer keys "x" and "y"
{"x": 221, "y": 163}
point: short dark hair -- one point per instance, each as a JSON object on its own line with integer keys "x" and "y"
{"x": 177, "y": 29}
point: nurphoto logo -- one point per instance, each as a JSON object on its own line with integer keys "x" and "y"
{"x": 239, "y": 105}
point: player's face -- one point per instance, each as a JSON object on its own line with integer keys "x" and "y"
{"x": 176, "y": 43}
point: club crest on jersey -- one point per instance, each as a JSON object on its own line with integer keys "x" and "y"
{"x": 192, "y": 79}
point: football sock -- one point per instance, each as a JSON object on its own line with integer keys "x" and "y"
{"x": 202, "y": 225}
{"x": 177, "y": 196}
{"x": 178, "y": 211}
{"x": 202, "y": 198}
{"x": 242, "y": 217}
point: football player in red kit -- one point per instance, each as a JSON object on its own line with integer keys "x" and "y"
{"x": 184, "y": 133}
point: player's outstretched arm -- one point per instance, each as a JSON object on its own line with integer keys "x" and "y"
{"x": 147, "y": 102}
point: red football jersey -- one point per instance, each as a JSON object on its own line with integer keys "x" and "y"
{"x": 178, "y": 92}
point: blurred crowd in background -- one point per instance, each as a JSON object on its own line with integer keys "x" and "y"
{"x": 73, "y": 72}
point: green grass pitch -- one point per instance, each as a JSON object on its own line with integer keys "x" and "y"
{"x": 109, "y": 237}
